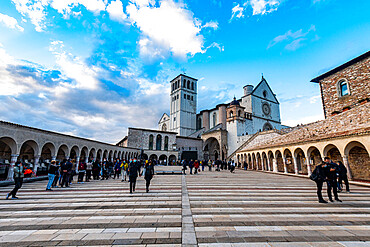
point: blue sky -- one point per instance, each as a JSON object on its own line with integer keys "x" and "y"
{"x": 92, "y": 68}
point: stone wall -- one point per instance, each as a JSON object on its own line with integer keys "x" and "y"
{"x": 358, "y": 78}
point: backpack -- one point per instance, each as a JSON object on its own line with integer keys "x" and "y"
{"x": 315, "y": 175}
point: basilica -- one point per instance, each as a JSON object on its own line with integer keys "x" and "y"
{"x": 225, "y": 127}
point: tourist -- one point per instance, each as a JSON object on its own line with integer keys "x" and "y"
{"x": 133, "y": 174}
{"x": 89, "y": 168}
{"x": 57, "y": 175}
{"x": 196, "y": 167}
{"x": 191, "y": 165}
{"x": 81, "y": 172}
{"x": 117, "y": 169}
{"x": 53, "y": 169}
{"x": 232, "y": 166}
{"x": 202, "y": 164}
{"x": 65, "y": 178}
{"x": 342, "y": 177}
{"x": 148, "y": 174}
{"x": 104, "y": 171}
{"x": 184, "y": 168}
{"x": 124, "y": 170}
{"x": 319, "y": 176}
{"x": 331, "y": 181}
{"x": 71, "y": 170}
{"x": 18, "y": 175}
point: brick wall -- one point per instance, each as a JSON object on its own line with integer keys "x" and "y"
{"x": 358, "y": 77}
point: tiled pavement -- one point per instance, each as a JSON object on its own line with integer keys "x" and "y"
{"x": 209, "y": 209}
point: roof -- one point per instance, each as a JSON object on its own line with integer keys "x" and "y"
{"x": 234, "y": 102}
{"x": 164, "y": 114}
{"x": 151, "y": 130}
{"x": 259, "y": 84}
{"x": 185, "y": 76}
{"x": 341, "y": 67}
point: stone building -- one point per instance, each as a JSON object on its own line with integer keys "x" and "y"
{"x": 226, "y": 126}
{"x": 36, "y": 148}
{"x": 343, "y": 136}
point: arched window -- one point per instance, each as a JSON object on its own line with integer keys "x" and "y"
{"x": 192, "y": 85}
{"x": 151, "y": 142}
{"x": 166, "y": 143}
{"x": 231, "y": 113}
{"x": 343, "y": 88}
{"x": 267, "y": 126}
{"x": 184, "y": 84}
{"x": 159, "y": 143}
{"x": 265, "y": 93}
{"x": 214, "y": 119}
{"x": 188, "y": 85}
{"x": 239, "y": 113}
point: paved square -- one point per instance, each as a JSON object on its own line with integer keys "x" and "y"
{"x": 247, "y": 208}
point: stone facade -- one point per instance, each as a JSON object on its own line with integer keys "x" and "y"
{"x": 189, "y": 144}
{"x": 356, "y": 74}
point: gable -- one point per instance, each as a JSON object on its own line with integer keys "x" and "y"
{"x": 164, "y": 118}
{"x": 262, "y": 87}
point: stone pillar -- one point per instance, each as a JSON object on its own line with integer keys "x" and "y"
{"x": 36, "y": 163}
{"x": 285, "y": 167}
{"x": 309, "y": 172}
{"x": 268, "y": 164}
{"x": 346, "y": 164}
{"x": 77, "y": 162}
{"x": 13, "y": 159}
{"x": 206, "y": 120}
{"x": 222, "y": 116}
{"x": 295, "y": 165}
{"x": 274, "y": 165}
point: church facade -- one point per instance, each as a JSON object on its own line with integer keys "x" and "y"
{"x": 225, "y": 127}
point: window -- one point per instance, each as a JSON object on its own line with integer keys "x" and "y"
{"x": 239, "y": 113}
{"x": 231, "y": 113}
{"x": 188, "y": 85}
{"x": 184, "y": 96}
{"x": 214, "y": 119}
{"x": 164, "y": 127}
{"x": 151, "y": 142}
{"x": 184, "y": 84}
{"x": 192, "y": 85}
{"x": 192, "y": 98}
{"x": 173, "y": 86}
{"x": 188, "y": 96}
{"x": 177, "y": 96}
{"x": 158, "y": 145}
{"x": 343, "y": 88}
{"x": 166, "y": 143}
{"x": 265, "y": 94}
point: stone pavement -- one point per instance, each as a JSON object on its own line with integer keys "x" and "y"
{"x": 209, "y": 209}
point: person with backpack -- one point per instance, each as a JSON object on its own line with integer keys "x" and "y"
{"x": 148, "y": 174}
{"x": 342, "y": 177}
{"x": 319, "y": 176}
{"x": 117, "y": 169}
{"x": 331, "y": 181}
{"x": 18, "y": 175}
{"x": 133, "y": 174}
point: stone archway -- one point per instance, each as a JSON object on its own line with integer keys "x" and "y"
{"x": 357, "y": 160}
{"x": 163, "y": 159}
{"x": 8, "y": 150}
{"x": 301, "y": 160}
{"x": 279, "y": 161}
{"x": 153, "y": 157}
{"x": 211, "y": 149}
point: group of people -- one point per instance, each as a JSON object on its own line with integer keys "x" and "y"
{"x": 62, "y": 173}
{"x": 218, "y": 165}
{"x": 334, "y": 174}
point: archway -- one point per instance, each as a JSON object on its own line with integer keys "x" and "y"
{"x": 172, "y": 159}
{"x": 99, "y": 155}
{"x": 92, "y": 154}
{"x": 314, "y": 158}
{"x": 62, "y": 153}
{"x": 145, "y": 156}
{"x": 259, "y": 162}
{"x": 288, "y": 161}
{"x": 47, "y": 154}
{"x": 163, "y": 159}
{"x": 75, "y": 152}
{"x": 158, "y": 144}
{"x": 271, "y": 159}
{"x": 279, "y": 161}
{"x": 250, "y": 165}
{"x": 254, "y": 166}
{"x": 301, "y": 161}
{"x": 358, "y": 161}
{"x": 84, "y": 154}
{"x": 105, "y": 155}
{"x": 153, "y": 157}
{"x": 7, "y": 147}
{"x": 333, "y": 153}
{"x": 211, "y": 149}
{"x": 265, "y": 162}
{"x": 27, "y": 155}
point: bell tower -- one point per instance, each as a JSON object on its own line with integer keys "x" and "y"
{"x": 183, "y": 105}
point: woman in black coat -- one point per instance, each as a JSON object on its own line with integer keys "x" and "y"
{"x": 148, "y": 174}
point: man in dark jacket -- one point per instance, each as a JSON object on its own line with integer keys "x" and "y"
{"x": 65, "y": 176}
{"x": 342, "y": 176}
{"x": 148, "y": 174}
{"x": 18, "y": 175}
{"x": 331, "y": 181}
{"x": 133, "y": 174}
{"x": 319, "y": 175}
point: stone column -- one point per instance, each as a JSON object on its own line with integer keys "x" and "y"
{"x": 36, "y": 162}
{"x": 295, "y": 165}
{"x": 13, "y": 159}
{"x": 346, "y": 164}
{"x": 222, "y": 116}
{"x": 205, "y": 115}
{"x": 77, "y": 163}
{"x": 269, "y": 164}
{"x": 285, "y": 167}
{"x": 274, "y": 165}
{"x": 309, "y": 172}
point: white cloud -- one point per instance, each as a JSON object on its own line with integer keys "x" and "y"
{"x": 295, "y": 39}
{"x": 10, "y": 22}
{"x": 85, "y": 77}
{"x": 115, "y": 10}
{"x": 261, "y": 7}
{"x": 211, "y": 24}
{"x": 169, "y": 26}
{"x": 237, "y": 12}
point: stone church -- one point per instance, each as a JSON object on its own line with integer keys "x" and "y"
{"x": 224, "y": 127}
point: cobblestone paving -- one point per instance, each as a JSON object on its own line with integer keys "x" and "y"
{"x": 208, "y": 209}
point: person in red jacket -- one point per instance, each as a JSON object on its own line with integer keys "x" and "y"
{"x": 196, "y": 166}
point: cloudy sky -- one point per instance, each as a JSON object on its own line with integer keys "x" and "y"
{"x": 92, "y": 68}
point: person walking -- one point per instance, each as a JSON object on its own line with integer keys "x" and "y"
{"x": 191, "y": 165}
{"x": 148, "y": 174}
{"x": 319, "y": 176}
{"x": 184, "y": 168}
{"x": 89, "y": 168}
{"x": 342, "y": 177}
{"x": 133, "y": 174}
{"x": 332, "y": 182}
{"x": 232, "y": 166}
{"x": 53, "y": 169}
{"x": 57, "y": 175}
{"x": 196, "y": 167}
{"x": 18, "y": 175}
{"x": 117, "y": 169}
{"x": 124, "y": 170}
{"x": 64, "y": 170}
{"x": 81, "y": 172}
